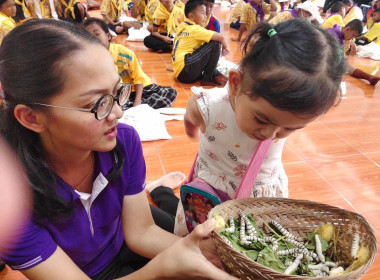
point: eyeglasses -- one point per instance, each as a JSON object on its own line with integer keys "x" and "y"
{"x": 104, "y": 105}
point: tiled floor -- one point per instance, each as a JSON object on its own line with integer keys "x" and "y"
{"x": 335, "y": 160}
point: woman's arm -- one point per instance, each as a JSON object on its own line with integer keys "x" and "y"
{"x": 58, "y": 267}
{"x": 193, "y": 119}
{"x": 141, "y": 233}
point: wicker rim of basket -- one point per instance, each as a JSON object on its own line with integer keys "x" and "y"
{"x": 277, "y": 208}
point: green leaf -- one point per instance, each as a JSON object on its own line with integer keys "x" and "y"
{"x": 270, "y": 259}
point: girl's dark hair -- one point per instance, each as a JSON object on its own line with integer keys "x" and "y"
{"x": 298, "y": 68}
{"x": 101, "y": 23}
{"x": 32, "y": 69}
{"x": 335, "y": 8}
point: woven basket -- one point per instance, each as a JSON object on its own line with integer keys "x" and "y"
{"x": 299, "y": 217}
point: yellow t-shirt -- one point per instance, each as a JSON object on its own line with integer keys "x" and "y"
{"x": 354, "y": 13}
{"x": 112, "y": 8}
{"x": 332, "y": 20}
{"x": 6, "y": 25}
{"x": 128, "y": 66}
{"x": 236, "y": 13}
{"x": 65, "y": 8}
{"x": 45, "y": 9}
{"x": 281, "y": 17}
{"x": 249, "y": 17}
{"x": 167, "y": 22}
{"x": 189, "y": 37}
{"x": 149, "y": 9}
{"x": 180, "y": 4}
{"x": 374, "y": 33}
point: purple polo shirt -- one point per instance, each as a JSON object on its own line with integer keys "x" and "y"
{"x": 90, "y": 240}
{"x": 338, "y": 35}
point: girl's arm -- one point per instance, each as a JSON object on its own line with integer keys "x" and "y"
{"x": 139, "y": 90}
{"x": 193, "y": 119}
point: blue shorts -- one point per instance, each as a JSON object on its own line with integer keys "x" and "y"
{"x": 112, "y": 27}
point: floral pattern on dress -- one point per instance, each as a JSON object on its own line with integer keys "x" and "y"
{"x": 239, "y": 170}
{"x": 219, "y": 126}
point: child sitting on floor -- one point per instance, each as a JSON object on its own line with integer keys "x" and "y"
{"x": 254, "y": 12}
{"x": 352, "y": 11}
{"x": 212, "y": 23}
{"x": 196, "y": 50}
{"x": 336, "y": 17}
{"x": 145, "y": 10}
{"x": 7, "y": 23}
{"x": 145, "y": 92}
{"x": 166, "y": 18}
{"x": 344, "y": 36}
{"x": 373, "y": 34}
{"x": 111, "y": 11}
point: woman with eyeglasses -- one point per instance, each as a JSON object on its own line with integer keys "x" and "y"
{"x": 62, "y": 102}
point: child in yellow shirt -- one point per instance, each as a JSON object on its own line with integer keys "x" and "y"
{"x": 373, "y": 34}
{"x": 7, "y": 23}
{"x": 196, "y": 50}
{"x": 336, "y": 17}
{"x": 253, "y": 12}
{"x": 352, "y": 11}
{"x": 166, "y": 18}
{"x": 24, "y": 10}
{"x": 71, "y": 10}
{"x": 111, "y": 11}
{"x": 129, "y": 69}
{"x": 144, "y": 9}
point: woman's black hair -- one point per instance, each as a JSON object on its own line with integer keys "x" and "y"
{"x": 298, "y": 67}
{"x": 101, "y": 23}
{"x": 32, "y": 70}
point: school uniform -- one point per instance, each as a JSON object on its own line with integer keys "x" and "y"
{"x": 147, "y": 9}
{"x": 180, "y": 4}
{"x": 290, "y": 14}
{"x": 194, "y": 53}
{"x": 212, "y": 23}
{"x": 166, "y": 22}
{"x": 22, "y": 11}
{"x": 130, "y": 71}
{"x": 373, "y": 35}
{"x": 236, "y": 14}
{"x": 68, "y": 9}
{"x": 253, "y": 14}
{"x": 113, "y": 9}
{"x": 354, "y": 13}
{"x": 6, "y": 25}
{"x": 336, "y": 32}
{"x": 333, "y": 19}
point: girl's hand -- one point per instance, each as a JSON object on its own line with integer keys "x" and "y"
{"x": 184, "y": 259}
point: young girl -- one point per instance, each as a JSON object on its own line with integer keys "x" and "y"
{"x": 144, "y": 92}
{"x": 7, "y": 23}
{"x": 87, "y": 173}
{"x": 166, "y": 19}
{"x": 72, "y": 10}
{"x": 287, "y": 79}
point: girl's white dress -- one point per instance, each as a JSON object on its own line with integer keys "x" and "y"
{"x": 225, "y": 152}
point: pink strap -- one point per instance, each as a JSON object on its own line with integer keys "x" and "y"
{"x": 249, "y": 178}
{"x": 254, "y": 167}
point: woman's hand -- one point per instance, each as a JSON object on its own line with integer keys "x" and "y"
{"x": 184, "y": 259}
